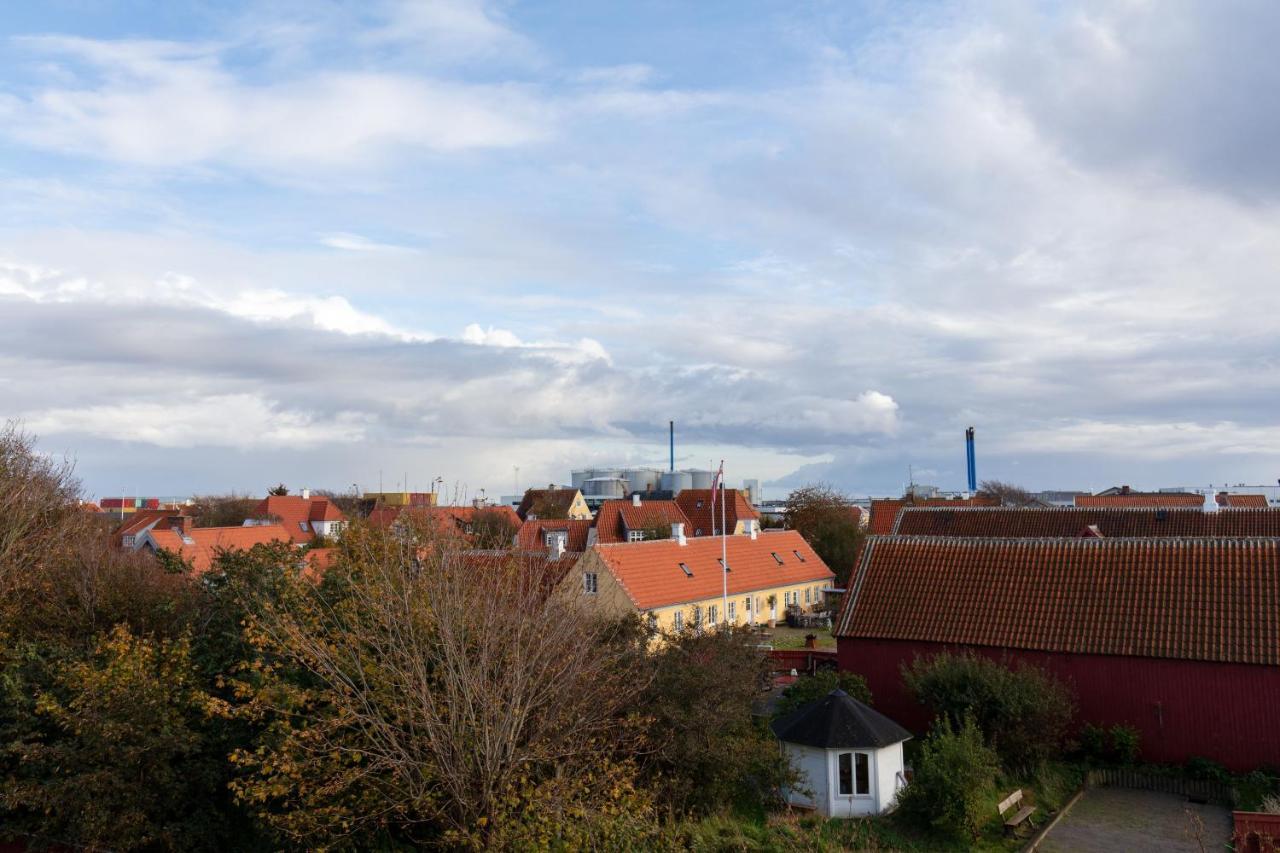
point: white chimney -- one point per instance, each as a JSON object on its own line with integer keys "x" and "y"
{"x": 306, "y": 494}
{"x": 635, "y": 499}
{"x": 1210, "y": 500}
{"x": 752, "y": 527}
{"x": 677, "y": 532}
{"x": 557, "y": 545}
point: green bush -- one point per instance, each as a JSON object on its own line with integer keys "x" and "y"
{"x": 1023, "y": 712}
{"x": 1126, "y": 743}
{"x": 1204, "y": 768}
{"x": 807, "y": 688}
{"x": 954, "y": 775}
{"x": 1093, "y": 743}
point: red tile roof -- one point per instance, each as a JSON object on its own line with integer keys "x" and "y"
{"x": 884, "y": 511}
{"x": 137, "y": 522}
{"x": 696, "y": 505}
{"x": 1252, "y": 501}
{"x": 531, "y": 536}
{"x": 1193, "y": 599}
{"x": 615, "y": 518}
{"x": 296, "y": 514}
{"x": 1146, "y": 499}
{"x": 449, "y": 518}
{"x": 650, "y": 572}
{"x": 1111, "y": 522}
{"x": 207, "y": 542}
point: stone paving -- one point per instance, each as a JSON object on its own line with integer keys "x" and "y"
{"x": 1112, "y": 819}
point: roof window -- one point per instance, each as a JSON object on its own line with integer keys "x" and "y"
{"x": 776, "y": 557}
{"x": 799, "y": 556}
{"x": 684, "y": 567}
{"x": 727, "y": 568}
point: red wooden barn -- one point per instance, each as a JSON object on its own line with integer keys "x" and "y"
{"x": 1178, "y": 637}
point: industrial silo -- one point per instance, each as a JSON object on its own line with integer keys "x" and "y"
{"x": 702, "y": 479}
{"x": 677, "y": 481}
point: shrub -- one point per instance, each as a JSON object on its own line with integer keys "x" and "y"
{"x": 1125, "y": 744}
{"x": 953, "y": 779}
{"x": 1093, "y": 742}
{"x": 807, "y": 688}
{"x": 1023, "y": 712}
{"x": 1204, "y": 768}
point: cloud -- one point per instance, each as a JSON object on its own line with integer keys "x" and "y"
{"x": 348, "y": 242}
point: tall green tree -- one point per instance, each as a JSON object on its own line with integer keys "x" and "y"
{"x": 829, "y": 522}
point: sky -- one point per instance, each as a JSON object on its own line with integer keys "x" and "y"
{"x": 341, "y": 243}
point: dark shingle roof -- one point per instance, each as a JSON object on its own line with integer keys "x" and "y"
{"x": 1060, "y": 522}
{"x": 838, "y": 721}
{"x": 884, "y": 511}
{"x": 1211, "y": 599}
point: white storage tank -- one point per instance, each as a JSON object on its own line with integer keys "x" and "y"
{"x": 605, "y": 487}
{"x": 643, "y": 479}
{"x": 702, "y": 479}
{"x": 677, "y": 481}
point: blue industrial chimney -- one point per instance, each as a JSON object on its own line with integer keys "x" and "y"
{"x": 971, "y": 463}
{"x": 671, "y": 425}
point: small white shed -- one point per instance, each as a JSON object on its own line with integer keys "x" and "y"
{"x": 849, "y": 755}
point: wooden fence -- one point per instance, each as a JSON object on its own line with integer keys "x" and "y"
{"x": 1255, "y": 833}
{"x": 1201, "y": 790}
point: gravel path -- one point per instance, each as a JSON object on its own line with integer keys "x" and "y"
{"x": 1109, "y": 819}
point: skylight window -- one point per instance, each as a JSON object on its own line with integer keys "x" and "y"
{"x": 776, "y": 557}
{"x": 720, "y": 560}
{"x": 799, "y": 556}
{"x": 684, "y": 567}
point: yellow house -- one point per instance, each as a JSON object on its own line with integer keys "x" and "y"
{"x": 553, "y": 503}
{"x": 402, "y": 498}
{"x": 678, "y": 583}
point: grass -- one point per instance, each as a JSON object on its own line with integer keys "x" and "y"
{"x": 783, "y": 637}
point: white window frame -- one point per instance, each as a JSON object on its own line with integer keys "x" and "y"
{"x": 853, "y": 758}
{"x": 635, "y": 535}
{"x": 713, "y": 614}
{"x": 733, "y": 611}
{"x": 677, "y": 621}
{"x": 590, "y": 583}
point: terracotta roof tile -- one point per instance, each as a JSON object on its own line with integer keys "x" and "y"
{"x": 296, "y": 514}
{"x": 884, "y": 511}
{"x": 1242, "y": 501}
{"x": 531, "y": 536}
{"x": 651, "y": 575}
{"x": 206, "y": 542}
{"x": 1143, "y": 499}
{"x": 696, "y": 505}
{"x": 615, "y": 518}
{"x": 1192, "y": 599}
{"x": 1110, "y": 522}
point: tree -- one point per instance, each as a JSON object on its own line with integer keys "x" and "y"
{"x": 809, "y": 688}
{"x": 656, "y": 530}
{"x": 827, "y": 521}
{"x": 548, "y": 506}
{"x": 222, "y": 510}
{"x": 278, "y": 490}
{"x": 436, "y": 695}
{"x": 1024, "y": 712}
{"x": 704, "y": 748}
{"x": 492, "y": 528}
{"x": 954, "y": 775}
{"x": 1006, "y": 493}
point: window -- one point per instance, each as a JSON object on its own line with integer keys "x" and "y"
{"x": 698, "y": 532}
{"x": 128, "y": 541}
{"x": 855, "y": 774}
{"x": 699, "y": 504}
{"x": 746, "y": 604}
{"x": 713, "y": 614}
{"x": 684, "y": 567}
{"x": 590, "y": 583}
{"x": 799, "y": 556}
{"x": 807, "y": 592}
{"x": 727, "y": 568}
{"x": 652, "y": 619}
{"x": 677, "y": 620}
{"x": 635, "y": 535}
{"x": 697, "y": 616}
{"x": 302, "y": 525}
{"x": 776, "y": 557}
{"x": 733, "y": 611}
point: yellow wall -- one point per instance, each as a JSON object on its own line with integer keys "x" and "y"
{"x": 614, "y": 599}
{"x": 397, "y": 498}
{"x": 578, "y": 509}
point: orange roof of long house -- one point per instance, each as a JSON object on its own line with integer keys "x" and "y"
{"x": 461, "y": 516}
{"x": 1192, "y": 599}
{"x": 1141, "y": 499}
{"x": 296, "y": 513}
{"x": 884, "y": 511}
{"x": 1107, "y": 522}
{"x": 1242, "y": 501}
{"x": 615, "y": 518}
{"x": 532, "y": 534}
{"x": 206, "y": 542}
{"x": 696, "y": 505}
{"x": 652, "y": 575}
{"x": 139, "y": 521}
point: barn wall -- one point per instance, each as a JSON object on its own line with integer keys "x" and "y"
{"x": 1225, "y": 712}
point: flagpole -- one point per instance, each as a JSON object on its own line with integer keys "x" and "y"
{"x": 724, "y": 546}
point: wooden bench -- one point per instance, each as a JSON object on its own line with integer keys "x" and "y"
{"x": 1021, "y": 816}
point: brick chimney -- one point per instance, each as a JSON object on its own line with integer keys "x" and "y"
{"x": 178, "y": 523}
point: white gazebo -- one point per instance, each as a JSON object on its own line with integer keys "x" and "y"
{"x": 848, "y": 755}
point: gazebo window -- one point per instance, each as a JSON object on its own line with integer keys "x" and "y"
{"x": 855, "y": 774}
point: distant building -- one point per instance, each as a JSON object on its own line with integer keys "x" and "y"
{"x": 1124, "y": 496}
{"x": 402, "y": 498}
{"x": 884, "y": 511}
{"x": 200, "y": 546}
{"x": 710, "y": 516}
{"x": 1097, "y": 522}
{"x": 635, "y": 520}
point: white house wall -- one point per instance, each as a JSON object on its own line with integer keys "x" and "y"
{"x": 811, "y": 764}
{"x": 887, "y": 769}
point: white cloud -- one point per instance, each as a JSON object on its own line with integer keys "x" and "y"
{"x": 348, "y": 242}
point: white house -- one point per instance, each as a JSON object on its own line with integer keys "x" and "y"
{"x": 850, "y": 756}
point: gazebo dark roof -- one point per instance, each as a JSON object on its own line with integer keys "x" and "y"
{"x": 838, "y": 721}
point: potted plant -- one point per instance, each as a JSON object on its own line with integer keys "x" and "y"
{"x": 772, "y": 601}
